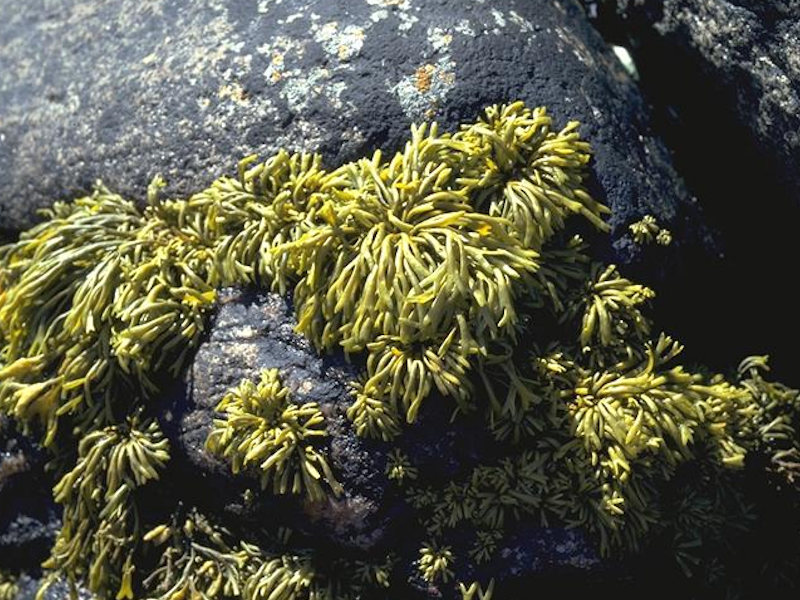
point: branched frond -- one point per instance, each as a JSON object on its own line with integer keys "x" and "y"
{"x": 485, "y": 545}
{"x": 612, "y": 316}
{"x": 372, "y": 417}
{"x": 647, "y": 230}
{"x": 100, "y": 522}
{"x": 533, "y": 175}
{"x": 97, "y": 301}
{"x": 399, "y": 468}
{"x": 375, "y": 575}
{"x": 774, "y": 425}
{"x": 198, "y": 560}
{"x": 450, "y": 268}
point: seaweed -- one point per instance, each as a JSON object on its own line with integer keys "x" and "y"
{"x": 262, "y": 427}
{"x": 451, "y": 269}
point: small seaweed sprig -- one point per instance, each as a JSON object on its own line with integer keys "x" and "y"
{"x": 647, "y": 230}
{"x": 262, "y": 427}
{"x": 435, "y": 563}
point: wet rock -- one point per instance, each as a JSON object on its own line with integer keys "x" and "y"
{"x": 186, "y": 90}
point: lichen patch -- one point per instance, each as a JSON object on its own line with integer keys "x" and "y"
{"x": 464, "y": 27}
{"x": 379, "y": 15}
{"x": 235, "y": 92}
{"x": 524, "y": 25}
{"x": 439, "y": 38}
{"x": 341, "y": 42}
{"x": 278, "y": 50}
{"x": 499, "y": 18}
{"x": 422, "y": 92}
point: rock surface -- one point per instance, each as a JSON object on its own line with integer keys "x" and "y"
{"x": 187, "y": 89}
{"x": 28, "y": 589}
{"x": 29, "y": 519}
{"x": 252, "y": 332}
{"x": 748, "y": 52}
{"x": 723, "y": 80}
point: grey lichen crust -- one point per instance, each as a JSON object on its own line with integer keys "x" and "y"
{"x": 448, "y": 269}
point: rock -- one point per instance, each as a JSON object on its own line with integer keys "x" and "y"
{"x": 747, "y": 52}
{"x": 186, "y": 90}
{"x": 29, "y": 520}
{"x": 28, "y": 588}
{"x": 723, "y": 79}
{"x": 252, "y": 332}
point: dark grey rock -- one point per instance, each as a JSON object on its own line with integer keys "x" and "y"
{"x": 251, "y": 332}
{"x": 749, "y": 53}
{"x": 29, "y": 519}
{"x": 125, "y": 90}
{"x": 723, "y": 80}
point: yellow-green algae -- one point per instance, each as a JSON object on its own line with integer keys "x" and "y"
{"x": 262, "y": 426}
{"x": 8, "y": 586}
{"x": 433, "y": 263}
{"x": 647, "y": 230}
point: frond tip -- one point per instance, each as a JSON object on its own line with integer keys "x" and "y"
{"x": 435, "y": 562}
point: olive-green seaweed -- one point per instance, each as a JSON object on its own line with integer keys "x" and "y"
{"x": 432, "y": 263}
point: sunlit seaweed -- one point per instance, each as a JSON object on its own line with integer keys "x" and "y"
{"x": 647, "y": 230}
{"x": 448, "y": 266}
{"x": 262, "y": 427}
{"x": 435, "y": 563}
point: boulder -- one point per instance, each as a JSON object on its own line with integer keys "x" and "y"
{"x": 186, "y": 89}
{"x": 723, "y": 79}
{"x": 746, "y": 52}
{"x": 250, "y": 332}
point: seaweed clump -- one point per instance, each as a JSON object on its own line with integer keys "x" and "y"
{"x": 262, "y": 426}
{"x": 434, "y": 264}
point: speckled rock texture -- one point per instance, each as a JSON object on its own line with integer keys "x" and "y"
{"x": 28, "y": 589}
{"x": 251, "y": 332}
{"x": 749, "y": 52}
{"x": 124, "y": 90}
